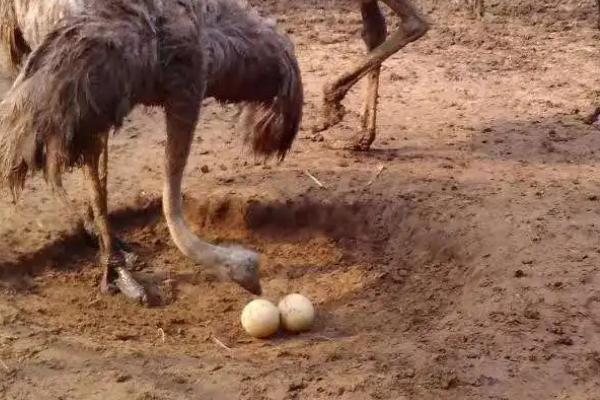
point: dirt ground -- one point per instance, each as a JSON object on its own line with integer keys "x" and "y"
{"x": 468, "y": 269}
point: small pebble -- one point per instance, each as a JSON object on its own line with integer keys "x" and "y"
{"x": 123, "y": 378}
{"x": 565, "y": 340}
{"x": 519, "y": 273}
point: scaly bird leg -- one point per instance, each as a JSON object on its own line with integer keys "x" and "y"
{"x": 87, "y": 218}
{"x": 116, "y": 276}
{"x": 374, "y": 33}
{"x": 479, "y": 8}
{"x": 412, "y": 28}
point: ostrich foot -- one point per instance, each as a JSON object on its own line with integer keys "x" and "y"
{"x": 118, "y": 278}
{"x": 333, "y": 111}
{"x": 594, "y": 118}
{"x": 363, "y": 142}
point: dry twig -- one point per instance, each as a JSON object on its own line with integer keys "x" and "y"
{"x": 161, "y": 333}
{"x": 315, "y": 180}
{"x": 223, "y": 345}
{"x": 379, "y": 171}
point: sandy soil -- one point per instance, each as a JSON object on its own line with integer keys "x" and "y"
{"x": 468, "y": 269}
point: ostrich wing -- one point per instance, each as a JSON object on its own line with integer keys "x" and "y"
{"x": 83, "y": 79}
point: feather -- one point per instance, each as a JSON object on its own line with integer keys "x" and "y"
{"x": 103, "y": 58}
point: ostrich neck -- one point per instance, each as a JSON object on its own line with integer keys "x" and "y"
{"x": 180, "y": 128}
{"x": 189, "y": 244}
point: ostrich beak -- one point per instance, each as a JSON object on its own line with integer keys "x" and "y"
{"x": 254, "y": 288}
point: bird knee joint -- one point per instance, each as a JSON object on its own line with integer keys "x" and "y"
{"x": 415, "y": 26}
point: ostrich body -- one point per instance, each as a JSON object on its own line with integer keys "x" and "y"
{"x": 93, "y": 61}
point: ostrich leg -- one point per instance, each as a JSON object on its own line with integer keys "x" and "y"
{"x": 87, "y": 218}
{"x": 115, "y": 276}
{"x": 412, "y": 28}
{"x": 88, "y": 224}
{"x": 479, "y": 8}
{"x": 374, "y": 33}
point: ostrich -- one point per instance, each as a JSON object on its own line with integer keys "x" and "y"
{"x": 93, "y": 61}
{"x": 413, "y": 27}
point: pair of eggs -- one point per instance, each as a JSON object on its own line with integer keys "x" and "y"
{"x": 261, "y": 318}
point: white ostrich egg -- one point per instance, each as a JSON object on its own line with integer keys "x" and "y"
{"x": 297, "y": 312}
{"x": 260, "y": 318}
